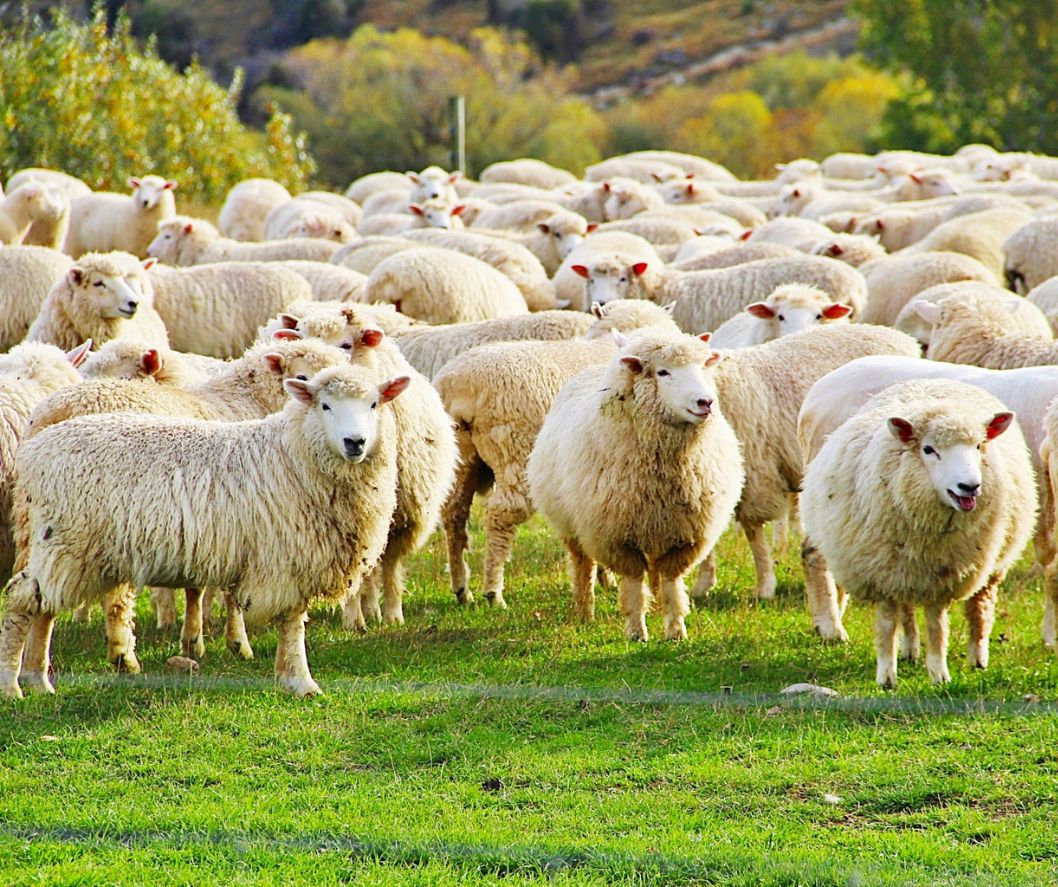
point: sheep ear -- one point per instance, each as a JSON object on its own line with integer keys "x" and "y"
{"x": 29, "y": 190}
{"x": 415, "y": 209}
{"x": 300, "y": 391}
{"x": 690, "y": 189}
{"x": 761, "y": 310}
{"x": 928, "y": 312}
{"x": 639, "y": 269}
{"x": 746, "y": 235}
{"x": 289, "y": 321}
{"x": 656, "y": 176}
{"x": 633, "y": 364}
{"x": 274, "y": 362}
{"x": 371, "y": 337}
{"x": 591, "y": 227}
{"x": 999, "y": 423}
{"x": 619, "y": 339}
{"x": 713, "y": 360}
{"x": 917, "y": 179}
{"x": 132, "y": 182}
{"x": 580, "y": 270}
{"x": 76, "y": 275}
{"x": 796, "y": 192}
{"x": 387, "y": 391}
{"x": 189, "y": 227}
{"x": 835, "y": 249}
{"x": 169, "y": 185}
{"x": 606, "y": 187}
{"x": 670, "y": 307}
{"x": 149, "y": 263}
{"x": 543, "y": 227}
{"x": 597, "y": 310}
{"x": 458, "y": 209}
{"x": 455, "y": 177}
{"x": 287, "y": 336}
{"x": 414, "y": 176}
{"x": 835, "y": 311}
{"x": 78, "y": 355}
{"x": 901, "y": 429}
{"x": 150, "y": 362}
{"x": 705, "y": 337}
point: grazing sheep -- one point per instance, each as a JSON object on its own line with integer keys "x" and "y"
{"x": 305, "y": 217}
{"x": 182, "y": 240}
{"x": 853, "y": 249}
{"x": 636, "y": 468}
{"x": 895, "y": 280}
{"x": 1030, "y": 256}
{"x": 246, "y": 206}
{"x": 24, "y": 207}
{"x": 27, "y": 275}
{"x": 331, "y": 474}
{"x": 526, "y": 171}
{"x": 925, "y": 497}
{"x": 103, "y": 222}
{"x": 499, "y": 394}
{"x": 103, "y": 296}
{"x": 791, "y": 308}
{"x": 443, "y": 286}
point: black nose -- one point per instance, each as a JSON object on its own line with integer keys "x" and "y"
{"x": 969, "y": 489}
{"x": 145, "y": 202}
{"x": 704, "y": 403}
{"x": 132, "y": 306}
{"x": 354, "y": 446}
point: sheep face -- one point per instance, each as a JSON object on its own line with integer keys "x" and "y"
{"x": 438, "y": 215}
{"x": 798, "y": 312}
{"x": 166, "y": 245}
{"x": 433, "y": 184}
{"x": 686, "y": 390}
{"x": 345, "y": 416}
{"x": 111, "y": 296}
{"x": 148, "y": 191}
{"x": 122, "y": 359}
{"x": 565, "y": 234}
{"x": 323, "y": 228}
{"x": 951, "y": 456}
{"x": 608, "y": 281}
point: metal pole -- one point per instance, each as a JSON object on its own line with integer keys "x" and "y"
{"x": 458, "y": 131}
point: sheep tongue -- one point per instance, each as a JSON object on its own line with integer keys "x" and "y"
{"x": 966, "y": 503}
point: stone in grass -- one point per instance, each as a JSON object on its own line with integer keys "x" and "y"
{"x": 181, "y": 664}
{"x": 809, "y": 690}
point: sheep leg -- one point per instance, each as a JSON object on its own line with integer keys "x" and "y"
{"x": 209, "y": 620}
{"x": 762, "y": 562}
{"x": 392, "y": 589}
{"x": 502, "y": 518}
{"x": 454, "y": 517}
{"x": 909, "y": 640}
{"x": 980, "y": 617}
{"x": 191, "y": 643}
{"x": 582, "y": 581}
{"x": 36, "y": 658}
{"x": 605, "y": 577}
{"x": 937, "y": 643}
{"x": 80, "y": 612}
{"x": 677, "y": 606}
{"x": 164, "y": 607}
{"x": 121, "y": 625}
{"x": 706, "y": 579}
{"x": 352, "y": 614}
{"x": 23, "y": 604}
{"x": 885, "y": 625}
{"x": 1050, "y": 597}
{"x": 824, "y": 603}
{"x": 635, "y": 602}
{"x": 292, "y": 665}
{"x": 370, "y": 611}
{"x": 235, "y": 628}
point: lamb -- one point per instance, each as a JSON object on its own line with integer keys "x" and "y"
{"x": 1029, "y": 255}
{"x": 515, "y": 262}
{"x": 526, "y": 171}
{"x": 246, "y": 206}
{"x": 329, "y": 282}
{"x": 442, "y": 286}
{"x": 28, "y": 274}
{"x": 980, "y": 235}
{"x": 28, "y": 374}
{"x": 103, "y": 222}
{"x": 339, "y": 471}
{"x": 433, "y": 183}
{"x": 103, "y": 296}
{"x": 853, "y": 249}
{"x": 705, "y": 299}
{"x": 788, "y": 309}
{"x": 499, "y": 394}
{"x": 895, "y": 280}
{"x": 569, "y": 286}
{"x": 637, "y": 469}
{"x": 24, "y": 207}
{"x": 925, "y": 497}
{"x": 429, "y": 348}
{"x": 182, "y": 240}
{"x": 436, "y": 214}
{"x": 216, "y": 309}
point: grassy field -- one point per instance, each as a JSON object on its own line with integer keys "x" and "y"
{"x": 473, "y": 746}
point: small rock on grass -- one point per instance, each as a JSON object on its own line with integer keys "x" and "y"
{"x": 810, "y": 690}
{"x": 181, "y": 664}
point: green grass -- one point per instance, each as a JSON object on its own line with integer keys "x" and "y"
{"x": 474, "y": 746}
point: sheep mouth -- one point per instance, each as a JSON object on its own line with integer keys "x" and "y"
{"x": 965, "y": 503}
{"x": 127, "y": 312}
{"x": 703, "y": 413}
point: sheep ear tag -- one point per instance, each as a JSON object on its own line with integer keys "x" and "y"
{"x": 901, "y": 429}
{"x": 999, "y": 423}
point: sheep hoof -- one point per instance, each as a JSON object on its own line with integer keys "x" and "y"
{"x": 303, "y": 688}
{"x": 495, "y": 599}
{"x": 834, "y": 634}
{"x": 394, "y": 618}
{"x": 126, "y": 663}
{"x": 36, "y": 682}
{"x": 241, "y": 649}
{"x": 9, "y": 688}
{"x": 766, "y": 590}
{"x": 637, "y": 633}
{"x": 464, "y": 595}
{"x": 676, "y": 632}
{"x": 193, "y": 648}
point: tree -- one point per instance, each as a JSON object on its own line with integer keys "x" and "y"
{"x": 976, "y": 71}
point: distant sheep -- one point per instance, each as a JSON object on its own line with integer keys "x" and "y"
{"x": 102, "y": 222}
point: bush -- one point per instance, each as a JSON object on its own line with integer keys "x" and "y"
{"x": 91, "y": 102}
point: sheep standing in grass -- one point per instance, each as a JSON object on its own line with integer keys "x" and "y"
{"x": 103, "y": 222}
{"x": 637, "y": 469}
{"x": 788, "y": 309}
{"x": 925, "y": 497}
{"x": 193, "y": 512}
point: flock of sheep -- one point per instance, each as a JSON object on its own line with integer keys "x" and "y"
{"x": 280, "y": 409}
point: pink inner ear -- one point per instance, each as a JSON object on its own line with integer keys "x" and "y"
{"x": 592, "y": 227}
{"x": 903, "y": 429}
{"x": 543, "y": 227}
{"x": 797, "y": 192}
{"x": 371, "y": 338}
{"x": 916, "y": 179}
{"x": 169, "y": 185}
{"x": 286, "y": 336}
{"x": 705, "y": 337}
{"x": 1000, "y": 423}
{"x": 833, "y": 312}
{"x": 634, "y": 364}
{"x": 458, "y": 209}
{"x": 746, "y": 235}
{"x": 151, "y": 362}
{"x": 639, "y": 268}
{"x": 606, "y": 187}
{"x": 690, "y": 189}
{"x": 274, "y": 362}
{"x": 759, "y": 309}
{"x": 188, "y": 228}
{"x": 76, "y": 275}
{"x": 149, "y": 263}
{"x": 389, "y": 390}
{"x": 580, "y": 270}
{"x": 415, "y": 208}
{"x": 835, "y": 249}
{"x": 289, "y": 321}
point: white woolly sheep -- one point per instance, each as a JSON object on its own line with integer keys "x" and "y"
{"x": 636, "y": 468}
{"x": 130, "y": 361}
{"x": 443, "y": 286}
{"x": 801, "y": 234}
{"x": 329, "y": 321}
{"x": 569, "y": 285}
{"x": 699, "y": 167}
{"x": 363, "y": 255}
{"x": 28, "y": 205}
{"x": 658, "y": 230}
{"x": 853, "y": 249}
{"x": 554, "y": 238}
{"x": 103, "y": 222}
{"x": 330, "y": 282}
{"x": 363, "y": 187}
{"x": 182, "y": 240}
{"x": 979, "y": 235}
{"x": 925, "y": 497}
{"x": 685, "y": 191}
{"x": 69, "y": 185}
{"x": 702, "y": 246}
{"x": 788, "y": 309}
{"x": 434, "y": 183}
{"x": 813, "y": 201}
{"x": 332, "y": 477}
{"x": 305, "y": 217}
{"x": 527, "y": 171}
{"x": 646, "y": 172}
{"x": 436, "y": 214}
{"x": 247, "y": 205}
{"x": 521, "y": 215}
{"x": 1045, "y": 297}
{"x": 738, "y": 253}
{"x": 895, "y": 280}
{"x": 1030, "y": 255}
{"x": 27, "y": 274}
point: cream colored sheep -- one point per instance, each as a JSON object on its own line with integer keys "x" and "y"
{"x": 526, "y": 171}
{"x": 646, "y": 172}
{"x": 1030, "y": 256}
{"x": 28, "y": 205}
{"x": 801, "y": 234}
{"x": 895, "y": 280}
{"x": 788, "y": 309}
{"x": 182, "y": 240}
{"x": 131, "y": 361}
{"x": 853, "y": 249}
{"x": 330, "y": 282}
{"x": 1045, "y": 297}
{"x": 521, "y": 216}
{"x": 734, "y": 254}
{"x": 103, "y": 222}
{"x": 499, "y": 394}
{"x": 246, "y": 206}
{"x": 684, "y": 191}
{"x": 436, "y": 214}
{"x": 329, "y": 320}
{"x": 569, "y": 285}
{"x": 363, "y": 255}
{"x": 658, "y": 230}
{"x": 979, "y": 235}
{"x": 434, "y": 183}
{"x": 27, "y": 275}
{"x": 305, "y": 217}
{"x": 925, "y": 497}
{"x": 636, "y": 468}
{"x": 702, "y": 246}
{"x": 103, "y": 296}
{"x": 363, "y": 187}
{"x": 69, "y": 185}
{"x": 699, "y": 167}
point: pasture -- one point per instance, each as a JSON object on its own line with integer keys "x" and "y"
{"x": 477, "y": 746}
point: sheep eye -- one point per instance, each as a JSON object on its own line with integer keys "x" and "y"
{"x": 326, "y": 408}
{"x": 302, "y": 377}
{"x": 663, "y": 372}
{"x": 99, "y": 283}
{"x": 782, "y": 317}
{"x": 623, "y": 279}
{"x": 375, "y": 404}
{"x": 346, "y": 346}
{"x": 819, "y": 317}
{"x": 928, "y": 450}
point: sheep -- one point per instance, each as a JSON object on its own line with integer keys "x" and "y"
{"x": 527, "y": 171}
{"x": 433, "y": 183}
{"x": 182, "y": 240}
{"x": 812, "y": 201}
{"x": 443, "y": 286}
{"x": 363, "y": 255}
{"x": 903, "y": 224}
{"x": 363, "y": 187}
{"x": 436, "y": 214}
{"x": 555, "y": 238}
{"x": 657, "y": 230}
{"x": 636, "y": 468}
{"x": 335, "y": 471}
{"x": 521, "y": 216}
{"x": 980, "y": 235}
{"x": 702, "y": 246}
{"x": 705, "y": 299}
{"x": 305, "y": 217}
{"x": 512, "y": 260}
{"x": 246, "y": 206}
{"x": 684, "y": 191}
{"x": 893, "y": 281}
{"x": 645, "y": 171}
{"x": 103, "y": 222}
{"x": 735, "y": 254}
{"x": 924, "y": 497}
{"x": 52, "y": 222}
{"x": 624, "y": 199}
{"x": 328, "y": 320}
{"x": 130, "y": 360}
{"x": 1023, "y": 314}
{"x": 1029, "y": 255}
{"x": 343, "y": 206}
{"x": 845, "y": 165}
{"x": 216, "y": 309}
{"x": 103, "y": 296}
{"x": 69, "y": 185}
{"x": 569, "y": 287}
{"x": 1045, "y": 297}
{"x": 24, "y": 207}
{"x": 429, "y": 348}
{"x": 498, "y": 395}
{"x": 853, "y": 249}
{"x": 743, "y": 212}
{"x": 798, "y": 233}
{"x": 28, "y": 374}
{"x": 27, "y": 274}
{"x": 787, "y": 309}
{"x": 387, "y": 202}
{"x": 329, "y": 282}
{"x": 699, "y": 167}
